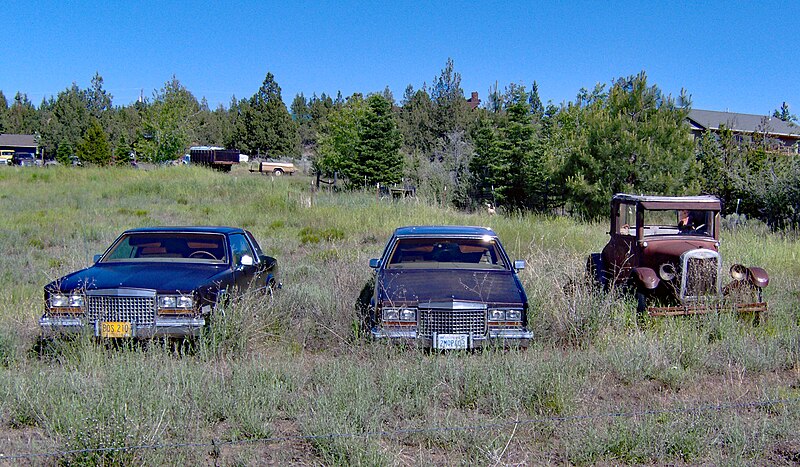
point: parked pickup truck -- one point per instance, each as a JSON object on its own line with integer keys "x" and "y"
{"x": 273, "y": 167}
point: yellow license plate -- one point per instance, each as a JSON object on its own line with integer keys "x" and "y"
{"x": 115, "y": 329}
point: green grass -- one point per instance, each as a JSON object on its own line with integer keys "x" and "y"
{"x": 295, "y": 368}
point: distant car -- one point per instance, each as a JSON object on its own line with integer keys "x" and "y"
{"x": 448, "y": 287}
{"x": 276, "y": 168}
{"x": 158, "y": 281}
{"x": 666, "y": 249}
{"x": 24, "y": 159}
{"x": 6, "y": 156}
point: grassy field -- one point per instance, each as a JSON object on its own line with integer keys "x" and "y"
{"x": 290, "y": 380}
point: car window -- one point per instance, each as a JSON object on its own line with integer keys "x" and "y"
{"x": 240, "y": 247}
{"x": 626, "y": 219}
{"x": 167, "y": 246}
{"x": 446, "y": 252}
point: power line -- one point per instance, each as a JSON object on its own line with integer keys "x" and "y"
{"x": 409, "y": 431}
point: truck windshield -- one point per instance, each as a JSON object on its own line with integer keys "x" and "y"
{"x": 679, "y": 222}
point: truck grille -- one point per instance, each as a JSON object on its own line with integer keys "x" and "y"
{"x": 700, "y": 274}
{"x": 449, "y": 321}
{"x": 139, "y": 310}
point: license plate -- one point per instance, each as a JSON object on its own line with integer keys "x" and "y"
{"x": 451, "y": 341}
{"x": 115, "y": 329}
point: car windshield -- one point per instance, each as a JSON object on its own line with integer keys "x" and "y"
{"x": 168, "y": 247}
{"x": 679, "y": 222}
{"x": 459, "y": 253}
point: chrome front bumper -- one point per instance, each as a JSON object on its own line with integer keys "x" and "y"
{"x": 495, "y": 337}
{"x": 164, "y": 327}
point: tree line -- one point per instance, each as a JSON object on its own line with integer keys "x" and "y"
{"x": 513, "y": 151}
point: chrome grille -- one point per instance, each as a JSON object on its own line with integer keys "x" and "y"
{"x": 139, "y": 310}
{"x": 700, "y": 274}
{"x": 448, "y": 321}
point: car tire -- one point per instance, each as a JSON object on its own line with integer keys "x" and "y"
{"x": 641, "y": 306}
{"x": 277, "y": 172}
{"x": 596, "y": 270}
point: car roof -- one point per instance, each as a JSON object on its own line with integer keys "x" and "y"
{"x": 188, "y": 229}
{"x": 675, "y": 202}
{"x": 443, "y": 230}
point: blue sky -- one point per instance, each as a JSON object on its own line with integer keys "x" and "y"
{"x": 736, "y": 56}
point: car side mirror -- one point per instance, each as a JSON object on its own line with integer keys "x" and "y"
{"x": 519, "y": 264}
{"x": 374, "y": 263}
{"x": 268, "y": 261}
{"x": 97, "y": 258}
{"x": 246, "y": 260}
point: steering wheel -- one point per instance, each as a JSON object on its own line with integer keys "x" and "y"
{"x": 202, "y": 253}
{"x": 697, "y": 229}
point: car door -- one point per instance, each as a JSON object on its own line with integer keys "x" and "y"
{"x": 620, "y": 254}
{"x": 245, "y": 261}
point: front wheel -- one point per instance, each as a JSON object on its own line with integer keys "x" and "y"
{"x": 641, "y": 306}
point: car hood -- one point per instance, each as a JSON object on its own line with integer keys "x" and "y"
{"x": 423, "y": 285}
{"x": 165, "y": 277}
{"x": 674, "y": 248}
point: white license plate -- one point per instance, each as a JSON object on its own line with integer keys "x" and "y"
{"x": 451, "y": 341}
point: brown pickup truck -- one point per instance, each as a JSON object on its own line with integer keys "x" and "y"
{"x": 273, "y": 167}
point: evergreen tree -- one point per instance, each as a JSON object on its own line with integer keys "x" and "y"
{"x": 21, "y": 117}
{"x": 69, "y": 119}
{"x": 122, "y": 153}
{"x": 168, "y": 124}
{"x": 98, "y": 99}
{"x": 94, "y": 147}
{"x": 64, "y": 153}
{"x": 634, "y": 140}
{"x": 361, "y": 141}
{"x": 784, "y": 114}
{"x": 378, "y": 158}
{"x": 3, "y": 112}
{"x": 266, "y": 126}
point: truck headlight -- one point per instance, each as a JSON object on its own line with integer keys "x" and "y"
{"x": 667, "y": 272}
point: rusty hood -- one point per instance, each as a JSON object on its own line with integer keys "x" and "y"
{"x": 670, "y": 250}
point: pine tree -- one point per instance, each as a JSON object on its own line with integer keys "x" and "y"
{"x": 266, "y": 126}
{"x": 378, "y": 158}
{"x": 94, "y": 147}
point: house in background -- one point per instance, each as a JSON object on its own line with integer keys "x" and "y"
{"x": 474, "y": 101}
{"x": 783, "y": 137}
{"x": 20, "y": 144}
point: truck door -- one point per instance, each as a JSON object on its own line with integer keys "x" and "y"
{"x": 619, "y": 253}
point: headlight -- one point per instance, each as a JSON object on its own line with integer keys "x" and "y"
{"x": 175, "y": 302}
{"x": 399, "y": 314}
{"x": 667, "y": 271}
{"x": 66, "y": 303}
{"x": 505, "y": 315}
{"x": 738, "y": 272}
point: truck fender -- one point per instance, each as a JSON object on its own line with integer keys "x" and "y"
{"x": 758, "y": 276}
{"x": 646, "y": 277}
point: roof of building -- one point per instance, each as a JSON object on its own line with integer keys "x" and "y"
{"x": 745, "y": 123}
{"x": 20, "y": 141}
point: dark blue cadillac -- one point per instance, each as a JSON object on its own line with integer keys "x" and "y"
{"x": 448, "y": 287}
{"x": 157, "y": 281}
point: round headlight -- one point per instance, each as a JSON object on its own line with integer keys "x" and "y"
{"x": 738, "y": 272}
{"x": 667, "y": 272}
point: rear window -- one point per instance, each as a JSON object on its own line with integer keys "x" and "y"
{"x": 469, "y": 253}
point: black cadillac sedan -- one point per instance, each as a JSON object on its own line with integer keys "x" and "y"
{"x": 448, "y": 287}
{"x": 157, "y": 282}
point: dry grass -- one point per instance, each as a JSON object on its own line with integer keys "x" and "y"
{"x": 295, "y": 368}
